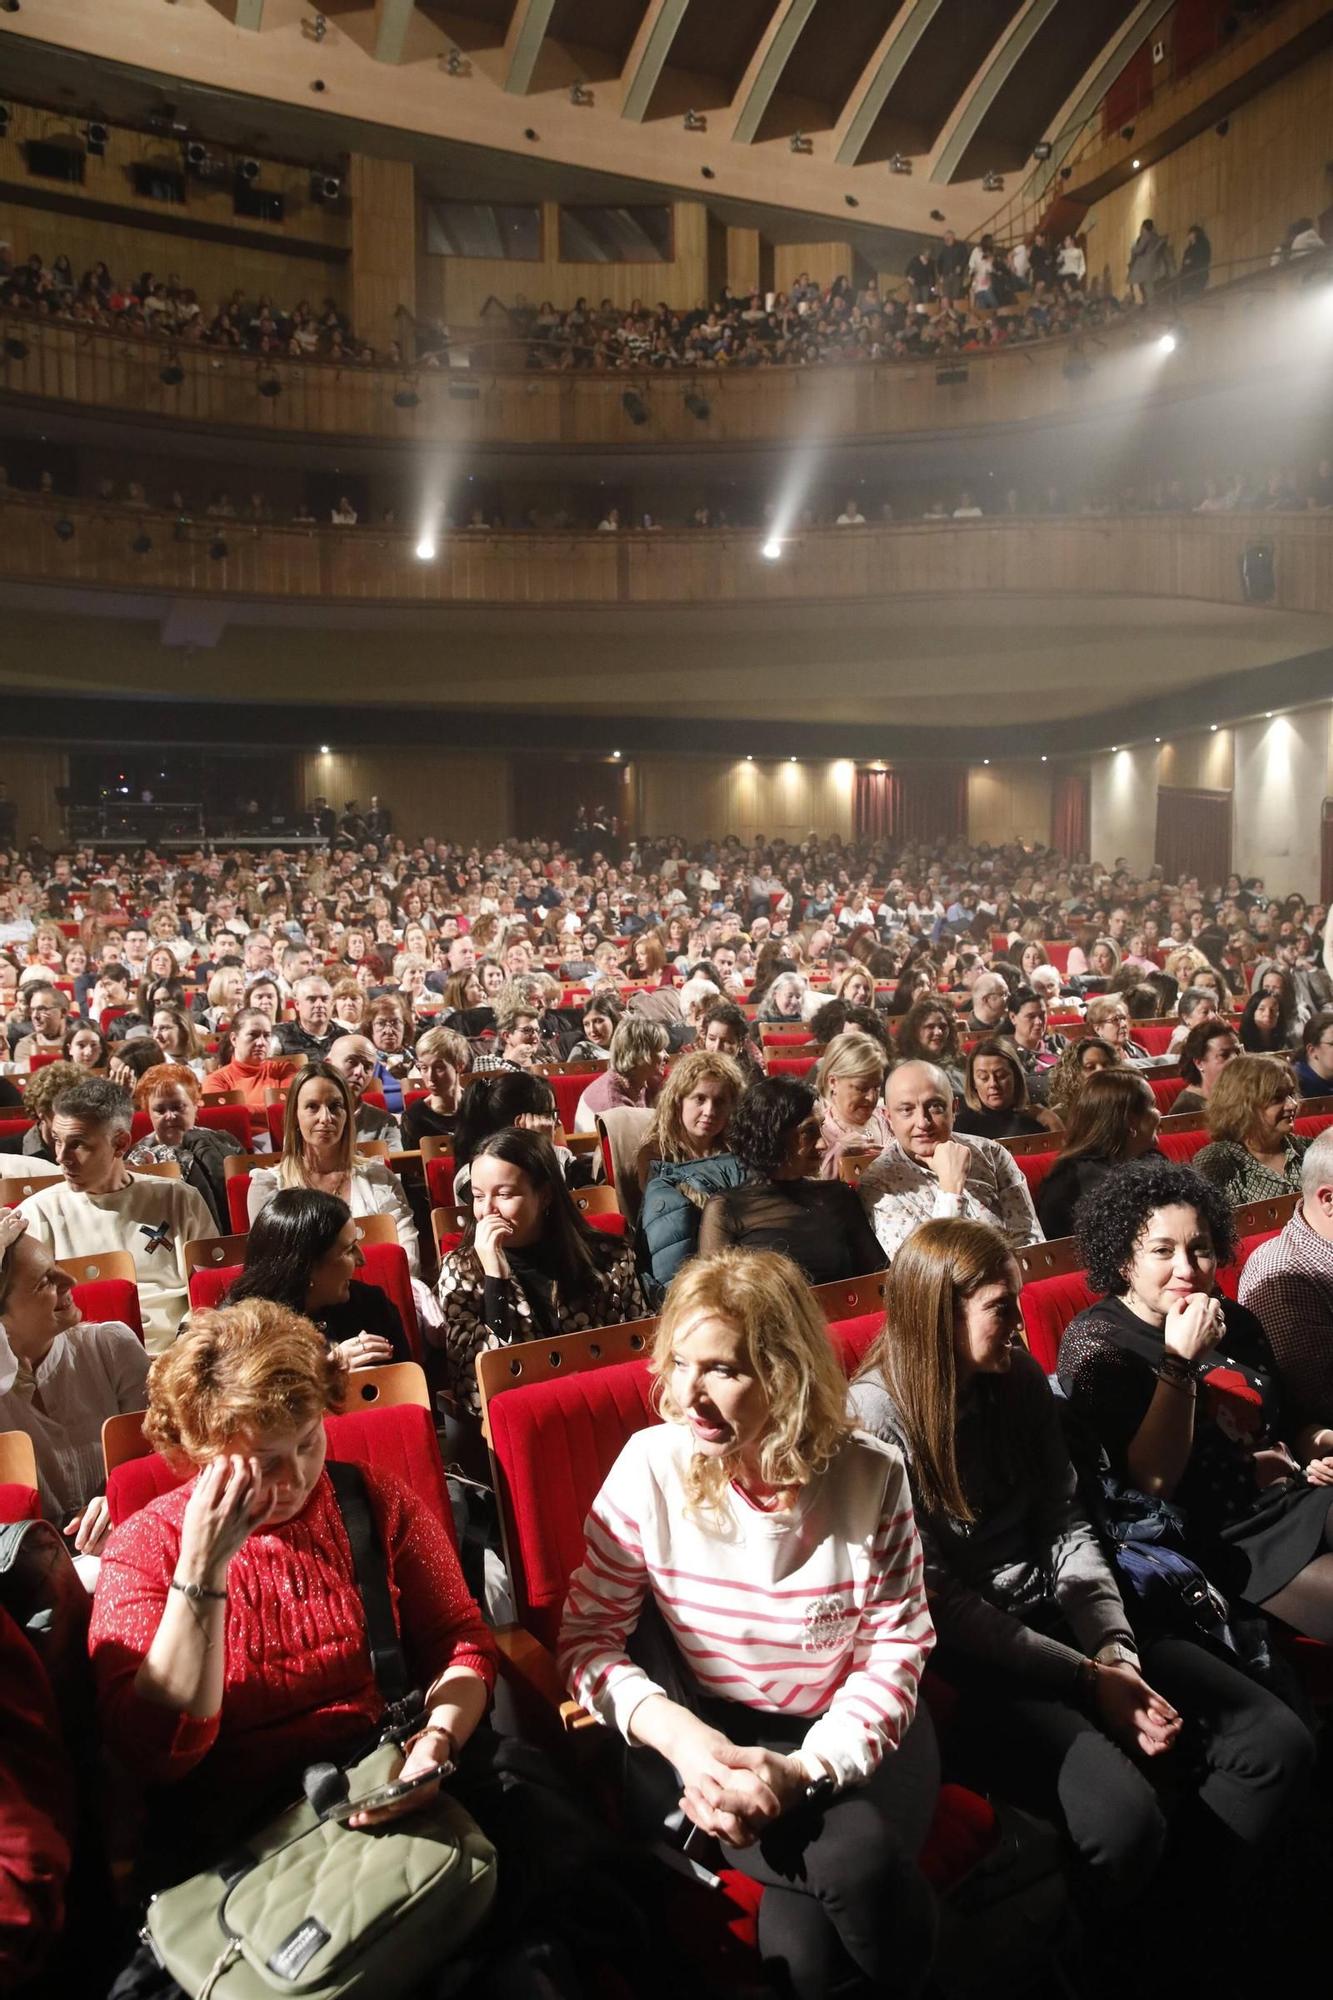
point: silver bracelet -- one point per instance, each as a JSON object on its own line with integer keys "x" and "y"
{"x": 199, "y": 1593}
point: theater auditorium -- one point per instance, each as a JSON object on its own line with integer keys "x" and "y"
{"x": 666, "y": 1109}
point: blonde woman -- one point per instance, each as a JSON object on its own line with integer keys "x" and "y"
{"x": 684, "y": 1159}
{"x": 318, "y": 1140}
{"x": 632, "y": 1075}
{"x": 773, "y": 1689}
{"x": 849, "y": 1083}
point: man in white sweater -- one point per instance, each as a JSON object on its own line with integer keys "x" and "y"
{"x": 99, "y": 1205}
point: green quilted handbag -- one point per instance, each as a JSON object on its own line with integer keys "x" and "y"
{"x": 311, "y": 1907}
{"x": 315, "y": 1909}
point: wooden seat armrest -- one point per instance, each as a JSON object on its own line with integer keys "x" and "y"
{"x": 531, "y": 1671}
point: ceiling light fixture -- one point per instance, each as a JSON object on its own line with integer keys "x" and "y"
{"x": 799, "y": 143}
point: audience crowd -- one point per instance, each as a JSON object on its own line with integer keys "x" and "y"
{"x": 803, "y": 1064}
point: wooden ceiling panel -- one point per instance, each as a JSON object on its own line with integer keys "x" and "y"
{"x": 1041, "y": 81}
{"x": 720, "y": 41}
{"x": 952, "y": 49}
{"x": 834, "y": 47}
{"x": 606, "y": 25}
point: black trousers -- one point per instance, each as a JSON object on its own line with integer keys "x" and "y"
{"x": 1242, "y": 1765}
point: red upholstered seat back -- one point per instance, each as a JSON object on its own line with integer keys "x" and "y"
{"x": 231, "y": 1118}
{"x": 110, "y": 1298}
{"x": 19, "y": 1503}
{"x": 1181, "y": 1146}
{"x": 1166, "y": 1089}
{"x": 797, "y": 1066}
{"x": 1153, "y": 1036}
{"x": 568, "y": 1090}
{"x": 554, "y": 1443}
{"x": 210, "y": 1283}
{"x": 440, "y": 1180}
{"x": 1311, "y": 1127}
{"x": 1034, "y": 1168}
{"x": 13, "y": 1128}
{"x": 399, "y": 1441}
{"x": 853, "y": 1338}
{"x": 1048, "y": 1305}
{"x": 238, "y": 1200}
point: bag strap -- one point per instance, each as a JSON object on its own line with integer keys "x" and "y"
{"x": 372, "y": 1579}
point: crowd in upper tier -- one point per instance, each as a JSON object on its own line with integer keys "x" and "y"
{"x": 800, "y": 1064}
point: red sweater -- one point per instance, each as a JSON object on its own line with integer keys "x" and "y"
{"x": 36, "y": 1811}
{"x": 298, "y": 1685}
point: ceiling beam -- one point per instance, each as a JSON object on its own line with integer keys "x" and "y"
{"x": 250, "y": 14}
{"x": 393, "y": 18}
{"x": 523, "y": 42}
{"x": 872, "y": 87}
{"x": 965, "y": 120}
{"x": 767, "y": 65}
{"x": 647, "y": 58}
{"x": 1066, "y": 128}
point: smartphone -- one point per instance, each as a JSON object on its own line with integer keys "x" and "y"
{"x": 388, "y": 1795}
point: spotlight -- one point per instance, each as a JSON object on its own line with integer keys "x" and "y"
{"x": 699, "y": 406}
{"x": 851, "y": 201}
{"x": 323, "y": 749}
{"x": 634, "y": 407}
{"x": 405, "y": 398}
{"x": 1222, "y": 127}
{"x": 269, "y": 386}
{"x": 64, "y": 529}
{"x": 318, "y": 84}
{"x": 95, "y": 137}
{"x": 247, "y": 170}
{"x": 1066, "y": 173}
{"x": 457, "y": 64}
{"x": 4, "y": 120}
{"x": 580, "y": 95}
{"x": 530, "y": 133}
{"x": 1127, "y": 131}
{"x": 992, "y": 183}
{"x": 772, "y": 549}
{"x": 1167, "y": 344}
{"x": 218, "y": 550}
{"x": 791, "y": 760}
{"x": 426, "y": 548}
{"x": 10, "y": 6}
{"x": 15, "y": 349}
{"x": 319, "y": 27}
{"x": 937, "y": 215}
{"x": 615, "y": 756}
{"x": 708, "y": 173}
{"x": 695, "y": 121}
{"x": 1042, "y": 150}
{"x": 799, "y": 143}
{"x": 141, "y": 544}
{"x": 196, "y": 156}
{"x": 325, "y": 187}
{"x": 900, "y": 164}
{"x": 1135, "y": 165}
{"x": 171, "y": 374}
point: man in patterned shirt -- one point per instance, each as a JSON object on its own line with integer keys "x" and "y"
{"x": 926, "y": 1172}
{"x": 1288, "y": 1285}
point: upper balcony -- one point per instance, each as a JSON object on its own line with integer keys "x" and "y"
{"x": 1250, "y": 329}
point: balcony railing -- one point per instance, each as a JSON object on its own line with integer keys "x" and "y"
{"x": 77, "y": 545}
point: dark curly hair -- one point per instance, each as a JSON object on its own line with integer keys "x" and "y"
{"x": 1110, "y": 1218}
{"x": 764, "y": 1121}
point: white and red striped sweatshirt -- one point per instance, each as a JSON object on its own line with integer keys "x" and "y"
{"x": 819, "y": 1610}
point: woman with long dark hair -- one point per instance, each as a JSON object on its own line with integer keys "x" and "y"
{"x": 1062, "y": 1704}
{"x": 303, "y": 1252}
{"x": 528, "y": 1264}
{"x": 1114, "y": 1119}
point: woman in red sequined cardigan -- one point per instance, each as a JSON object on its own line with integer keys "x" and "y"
{"x": 228, "y": 1634}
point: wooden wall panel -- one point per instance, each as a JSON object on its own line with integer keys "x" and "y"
{"x": 456, "y": 289}
{"x": 730, "y": 795}
{"x": 743, "y": 259}
{"x": 1204, "y": 762}
{"x": 1008, "y": 802}
{"x": 821, "y": 261}
{"x": 383, "y": 279}
{"x": 428, "y": 791}
{"x": 31, "y": 771}
{"x": 1244, "y": 188}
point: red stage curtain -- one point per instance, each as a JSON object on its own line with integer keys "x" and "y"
{"x": 911, "y": 806}
{"x": 1069, "y": 815}
{"x": 1193, "y": 834}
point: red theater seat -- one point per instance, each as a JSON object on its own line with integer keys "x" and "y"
{"x": 398, "y": 1440}
{"x": 1048, "y": 1305}
{"x": 110, "y": 1298}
